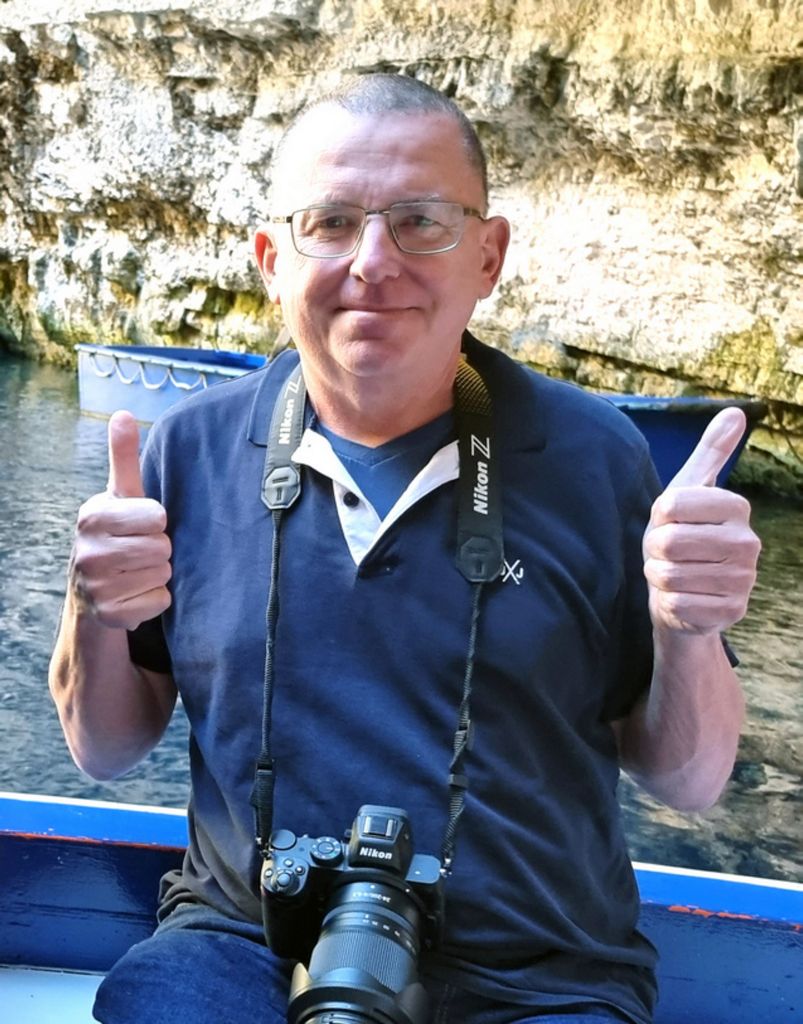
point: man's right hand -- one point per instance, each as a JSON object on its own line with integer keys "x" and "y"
{"x": 121, "y": 558}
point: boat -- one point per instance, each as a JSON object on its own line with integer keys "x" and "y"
{"x": 148, "y": 380}
{"x": 673, "y": 426}
{"x": 80, "y": 878}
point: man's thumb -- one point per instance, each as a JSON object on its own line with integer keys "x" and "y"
{"x": 125, "y": 478}
{"x": 719, "y": 441}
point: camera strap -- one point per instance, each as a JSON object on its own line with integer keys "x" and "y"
{"x": 479, "y": 557}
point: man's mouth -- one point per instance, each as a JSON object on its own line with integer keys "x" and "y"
{"x": 374, "y": 309}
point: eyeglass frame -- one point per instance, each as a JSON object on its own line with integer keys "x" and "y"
{"x": 467, "y": 211}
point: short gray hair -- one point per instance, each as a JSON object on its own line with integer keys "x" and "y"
{"x": 382, "y": 93}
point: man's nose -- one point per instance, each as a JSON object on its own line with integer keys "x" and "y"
{"x": 377, "y": 256}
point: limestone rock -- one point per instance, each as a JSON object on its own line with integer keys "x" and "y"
{"x": 649, "y": 154}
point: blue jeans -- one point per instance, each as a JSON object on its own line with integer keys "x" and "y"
{"x": 202, "y": 968}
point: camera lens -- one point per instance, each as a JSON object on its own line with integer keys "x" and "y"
{"x": 337, "y": 1017}
{"x": 364, "y": 966}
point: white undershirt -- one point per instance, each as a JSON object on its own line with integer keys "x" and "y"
{"x": 361, "y": 525}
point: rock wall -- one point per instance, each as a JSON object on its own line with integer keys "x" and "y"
{"x": 649, "y": 154}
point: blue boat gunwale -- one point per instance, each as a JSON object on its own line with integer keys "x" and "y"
{"x": 754, "y": 409}
{"x": 217, "y": 361}
{"x": 69, "y": 819}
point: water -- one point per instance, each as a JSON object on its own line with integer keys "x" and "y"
{"x": 51, "y": 459}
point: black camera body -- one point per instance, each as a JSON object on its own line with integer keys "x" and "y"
{"x": 300, "y": 873}
{"x": 355, "y": 914}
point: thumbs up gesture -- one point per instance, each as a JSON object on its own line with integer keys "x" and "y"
{"x": 700, "y": 555}
{"x": 121, "y": 557}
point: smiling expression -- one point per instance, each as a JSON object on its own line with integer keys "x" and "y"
{"x": 379, "y": 322}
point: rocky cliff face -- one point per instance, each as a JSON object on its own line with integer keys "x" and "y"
{"x": 649, "y": 154}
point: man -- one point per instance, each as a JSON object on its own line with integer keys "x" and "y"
{"x": 399, "y": 663}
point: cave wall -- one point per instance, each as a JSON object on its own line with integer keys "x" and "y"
{"x": 649, "y": 154}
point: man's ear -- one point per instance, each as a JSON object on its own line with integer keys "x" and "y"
{"x": 265, "y": 254}
{"x": 496, "y": 236}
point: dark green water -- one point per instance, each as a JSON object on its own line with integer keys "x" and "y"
{"x": 51, "y": 459}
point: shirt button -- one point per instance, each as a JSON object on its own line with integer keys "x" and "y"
{"x": 350, "y": 499}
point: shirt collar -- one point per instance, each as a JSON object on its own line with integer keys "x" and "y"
{"x": 274, "y": 376}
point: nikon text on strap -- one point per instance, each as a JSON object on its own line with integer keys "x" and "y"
{"x": 479, "y": 513}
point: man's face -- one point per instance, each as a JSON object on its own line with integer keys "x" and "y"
{"x": 379, "y": 313}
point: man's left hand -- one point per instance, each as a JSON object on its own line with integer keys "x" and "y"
{"x": 700, "y": 554}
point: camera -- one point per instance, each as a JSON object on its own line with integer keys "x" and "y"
{"x": 356, "y": 914}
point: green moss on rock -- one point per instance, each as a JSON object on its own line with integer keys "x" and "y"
{"x": 748, "y": 362}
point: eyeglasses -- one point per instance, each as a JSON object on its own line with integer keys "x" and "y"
{"x": 336, "y": 229}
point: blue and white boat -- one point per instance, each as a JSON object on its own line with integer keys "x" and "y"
{"x": 79, "y": 883}
{"x": 148, "y": 380}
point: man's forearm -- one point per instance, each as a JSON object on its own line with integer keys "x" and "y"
{"x": 112, "y": 711}
{"x": 680, "y": 742}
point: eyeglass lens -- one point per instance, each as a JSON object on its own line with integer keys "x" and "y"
{"x": 335, "y": 229}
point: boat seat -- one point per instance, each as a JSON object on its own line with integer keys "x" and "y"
{"x": 34, "y": 995}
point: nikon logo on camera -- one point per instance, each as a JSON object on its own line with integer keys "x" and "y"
{"x": 371, "y": 851}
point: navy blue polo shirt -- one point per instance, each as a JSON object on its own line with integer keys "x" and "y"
{"x": 370, "y": 653}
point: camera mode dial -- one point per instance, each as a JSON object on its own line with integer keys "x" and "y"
{"x": 326, "y": 851}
